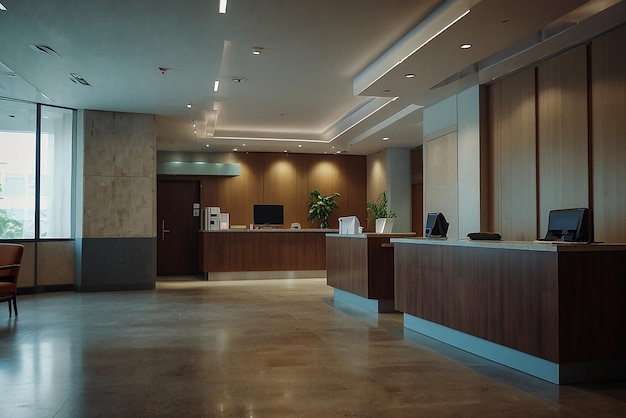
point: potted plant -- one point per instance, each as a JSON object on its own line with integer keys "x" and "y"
{"x": 378, "y": 211}
{"x": 321, "y": 207}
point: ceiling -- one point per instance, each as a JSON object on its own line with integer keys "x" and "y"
{"x": 331, "y": 76}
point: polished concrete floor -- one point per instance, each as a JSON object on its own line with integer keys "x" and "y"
{"x": 265, "y": 348}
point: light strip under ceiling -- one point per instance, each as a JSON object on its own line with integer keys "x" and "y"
{"x": 223, "y": 6}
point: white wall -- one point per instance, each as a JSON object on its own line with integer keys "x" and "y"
{"x": 454, "y": 122}
{"x": 399, "y": 187}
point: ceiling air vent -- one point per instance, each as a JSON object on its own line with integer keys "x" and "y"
{"x": 44, "y": 49}
{"x": 77, "y": 79}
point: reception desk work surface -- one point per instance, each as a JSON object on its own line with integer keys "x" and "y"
{"x": 263, "y": 253}
{"x": 555, "y": 311}
{"x": 360, "y": 269}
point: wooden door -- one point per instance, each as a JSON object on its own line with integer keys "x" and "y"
{"x": 177, "y": 228}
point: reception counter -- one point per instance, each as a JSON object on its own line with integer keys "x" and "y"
{"x": 556, "y": 311}
{"x": 360, "y": 269}
{"x": 259, "y": 253}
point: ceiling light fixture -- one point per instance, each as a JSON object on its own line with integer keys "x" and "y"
{"x": 385, "y": 138}
{"x": 410, "y": 75}
{"x": 216, "y": 85}
{"x": 188, "y": 105}
{"x": 466, "y": 46}
{"x": 257, "y": 50}
{"x": 2, "y": 7}
{"x": 223, "y": 6}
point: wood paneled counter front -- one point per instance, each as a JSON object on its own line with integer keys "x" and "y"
{"x": 362, "y": 266}
{"x": 263, "y": 250}
{"x": 552, "y": 310}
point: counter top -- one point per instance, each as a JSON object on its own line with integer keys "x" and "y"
{"x": 372, "y": 234}
{"x": 514, "y": 245}
{"x": 237, "y": 230}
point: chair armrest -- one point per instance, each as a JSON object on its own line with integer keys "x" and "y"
{"x": 9, "y": 266}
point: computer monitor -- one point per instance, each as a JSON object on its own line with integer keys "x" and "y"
{"x": 268, "y": 215}
{"x": 436, "y": 225}
{"x": 568, "y": 225}
{"x": 349, "y": 225}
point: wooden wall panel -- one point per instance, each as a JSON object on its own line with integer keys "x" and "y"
{"x": 609, "y": 135}
{"x": 417, "y": 191}
{"x": 280, "y": 185}
{"x": 237, "y": 195}
{"x": 277, "y": 178}
{"x": 354, "y": 203}
{"x": 328, "y": 174}
{"x": 301, "y": 210}
{"x": 55, "y": 263}
{"x": 563, "y": 139}
{"x": 513, "y": 149}
{"x": 494, "y": 94}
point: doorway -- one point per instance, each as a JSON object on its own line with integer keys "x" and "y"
{"x": 178, "y": 223}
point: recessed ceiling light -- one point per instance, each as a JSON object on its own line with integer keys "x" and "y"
{"x": 299, "y": 145}
{"x": 207, "y": 145}
{"x": 466, "y": 46}
{"x": 235, "y": 149}
{"x": 385, "y": 138}
{"x": 257, "y": 50}
{"x": 188, "y": 105}
{"x": 216, "y": 85}
{"x": 410, "y": 75}
{"x": 223, "y": 6}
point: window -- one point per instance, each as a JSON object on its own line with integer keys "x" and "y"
{"x": 20, "y": 192}
{"x": 55, "y": 192}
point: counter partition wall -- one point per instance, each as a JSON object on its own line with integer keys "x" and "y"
{"x": 555, "y": 311}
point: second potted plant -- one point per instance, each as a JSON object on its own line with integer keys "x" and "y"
{"x": 378, "y": 211}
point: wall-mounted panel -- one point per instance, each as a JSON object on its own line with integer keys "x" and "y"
{"x": 512, "y": 134}
{"x": 609, "y": 135}
{"x": 562, "y": 133}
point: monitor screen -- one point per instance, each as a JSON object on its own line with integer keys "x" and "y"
{"x": 436, "y": 225}
{"x": 568, "y": 225}
{"x": 268, "y": 215}
{"x": 349, "y": 225}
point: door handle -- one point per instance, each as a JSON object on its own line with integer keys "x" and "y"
{"x": 163, "y": 230}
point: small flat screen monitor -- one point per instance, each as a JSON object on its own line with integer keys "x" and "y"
{"x": 268, "y": 215}
{"x": 349, "y": 225}
{"x": 568, "y": 225}
{"x": 436, "y": 225}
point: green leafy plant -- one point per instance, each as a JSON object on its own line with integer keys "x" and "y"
{"x": 9, "y": 227}
{"x": 321, "y": 207}
{"x": 379, "y": 208}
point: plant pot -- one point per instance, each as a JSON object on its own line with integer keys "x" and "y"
{"x": 384, "y": 225}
